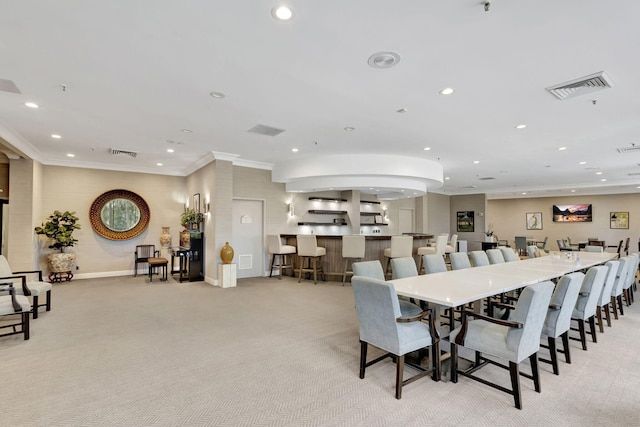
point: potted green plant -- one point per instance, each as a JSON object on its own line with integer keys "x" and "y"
{"x": 59, "y": 227}
{"x": 190, "y": 219}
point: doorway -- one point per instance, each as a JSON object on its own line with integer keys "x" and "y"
{"x": 248, "y": 237}
{"x": 405, "y": 221}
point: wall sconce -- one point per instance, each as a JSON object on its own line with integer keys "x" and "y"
{"x": 292, "y": 209}
{"x": 207, "y": 207}
{"x": 384, "y": 214}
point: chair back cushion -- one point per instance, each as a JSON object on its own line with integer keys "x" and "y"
{"x": 612, "y": 272}
{"x": 403, "y": 267}
{"x": 274, "y": 244}
{"x": 353, "y": 246}
{"x": 495, "y": 256}
{"x": 623, "y": 269}
{"x": 5, "y": 271}
{"x": 521, "y": 243}
{"x": 479, "y": 258}
{"x": 593, "y": 248}
{"x": 592, "y": 285}
{"x": 441, "y": 244}
{"x": 531, "y": 311}
{"x": 372, "y": 269}
{"x": 401, "y": 246}
{"x": 509, "y": 255}
{"x": 307, "y": 245}
{"x": 145, "y": 251}
{"x": 532, "y": 250}
{"x": 434, "y": 263}
{"x": 459, "y": 260}
{"x": 558, "y": 320}
{"x": 378, "y": 308}
{"x": 631, "y": 272}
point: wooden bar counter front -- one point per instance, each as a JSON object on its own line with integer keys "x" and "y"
{"x": 374, "y": 250}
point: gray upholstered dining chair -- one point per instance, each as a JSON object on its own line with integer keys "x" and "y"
{"x": 604, "y": 303}
{"x": 558, "y": 320}
{"x": 521, "y": 244}
{"x": 434, "y": 263}
{"x": 438, "y": 249}
{"x": 373, "y": 270}
{"x": 509, "y": 254}
{"x": 627, "y": 288}
{"x": 459, "y": 260}
{"x": 12, "y": 305}
{"x": 383, "y": 325}
{"x": 479, "y": 258}
{"x": 616, "y": 291}
{"x": 403, "y": 267}
{"x": 595, "y": 249}
{"x": 32, "y": 288}
{"x": 514, "y": 340}
{"x": 543, "y": 245}
{"x": 585, "y": 308}
{"x": 401, "y": 246}
{"x": 495, "y": 256}
{"x": 533, "y": 251}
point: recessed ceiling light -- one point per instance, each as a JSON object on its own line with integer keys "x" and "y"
{"x": 402, "y": 191}
{"x": 603, "y": 179}
{"x": 71, "y": 155}
{"x": 446, "y": 177}
{"x": 383, "y": 59}
{"x": 158, "y": 164}
{"x": 524, "y": 193}
{"x": 475, "y": 162}
{"x": 402, "y": 110}
{"x": 217, "y": 94}
{"x": 295, "y": 150}
{"x": 427, "y": 148}
{"x": 573, "y": 191}
{"x": 170, "y": 150}
{"x": 582, "y": 163}
{"x": 55, "y": 136}
{"x": 446, "y": 91}
{"x": 598, "y": 173}
{"x": 349, "y": 128}
{"x": 562, "y": 148}
{"x": 282, "y": 13}
{"x": 31, "y": 105}
{"x": 186, "y": 130}
{"x": 521, "y": 126}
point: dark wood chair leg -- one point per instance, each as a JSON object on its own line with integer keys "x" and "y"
{"x": 565, "y": 346}
{"x": 592, "y": 326}
{"x": 363, "y": 357}
{"x": 583, "y": 336}
{"x": 273, "y": 261}
{"x": 48, "y": 300}
{"x": 25, "y": 325}
{"x": 315, "y": 270}
{"x": 301, "y": 267}
{"x": 600, "y": 322}
{"x": 35, "y": 306}
{"x": 535, "y": 372}
{"x": 620, "y": 305}
{"x": 344, "y": 271}
{"x": 515, "y": 383}
{"x": 607, "y": 314}
{"x": 554, "y": 354}
{"x": 435, "y": 361}
{"x": 454, "y": 363}
{"x": 399, "y": 374}
{"x": 614, "y": 307}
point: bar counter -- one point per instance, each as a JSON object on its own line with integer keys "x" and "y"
{"x": 333, "y": 262}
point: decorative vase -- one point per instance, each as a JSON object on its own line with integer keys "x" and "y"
{"x": 185, "y": 239}
{"x": 488, "y": 239}
{"x": 165, "y": 238}
{"x": 226, "y": 253}
{"x": 61, "y": 262}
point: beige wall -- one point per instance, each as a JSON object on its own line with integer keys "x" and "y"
{"x": 508, "y": 219}
{"x": 438, "y": 214}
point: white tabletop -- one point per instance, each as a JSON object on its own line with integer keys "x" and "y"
{"x": 455, "y": 288}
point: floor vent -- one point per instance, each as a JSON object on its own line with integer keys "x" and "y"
{"x": 581, "y": 86}
{"x": 116, "y": 152}
{"x": 265, "y": 130}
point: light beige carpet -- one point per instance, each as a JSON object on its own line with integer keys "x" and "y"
{"x": 123, "y": 352}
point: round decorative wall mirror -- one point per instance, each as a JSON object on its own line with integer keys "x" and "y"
{"x": 119, "y": 215}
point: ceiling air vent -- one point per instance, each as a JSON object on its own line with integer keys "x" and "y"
{"x": 265, "y": 130}
{"x": 581, "y": 86}
{"x": 116, "y": 152}
{"x": 486, "y": 178}
{"x": 631, "y": 149}
{"x": 633, "y": 173}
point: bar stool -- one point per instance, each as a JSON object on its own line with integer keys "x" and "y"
{"x": 277, "y": 249}
{"x": 401, "y": 246}
{"x": 352, "y": 249}
{"x": 308, "y": 250}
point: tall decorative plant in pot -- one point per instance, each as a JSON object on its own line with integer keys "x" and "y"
{"x": 59, "y": 227}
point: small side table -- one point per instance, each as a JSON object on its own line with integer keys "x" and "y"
{"x": 158, "y": 262}
{"x": 227, "y": 275}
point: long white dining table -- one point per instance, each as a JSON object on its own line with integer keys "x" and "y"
{"x": 459, "y": 287}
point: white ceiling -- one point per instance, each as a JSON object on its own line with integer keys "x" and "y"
{"x": 131, "y": 75}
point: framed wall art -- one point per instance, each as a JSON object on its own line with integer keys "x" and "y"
{"x": 465, "y": 221}
{"x": 534, "y": 220}
{"x": 619, "y": 220}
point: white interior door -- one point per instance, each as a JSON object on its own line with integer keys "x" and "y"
{"x": 405, "y": 221}
{"x": 248, "y": 237}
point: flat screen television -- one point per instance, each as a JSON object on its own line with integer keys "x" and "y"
{"x": 572, "y": 213}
